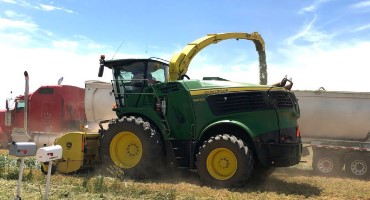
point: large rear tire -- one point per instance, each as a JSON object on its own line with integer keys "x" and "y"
{"x": 225, "y": 161}
{"x": 134, "y": 146}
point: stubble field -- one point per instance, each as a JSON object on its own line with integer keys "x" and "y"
{"x": 298, "y": 182}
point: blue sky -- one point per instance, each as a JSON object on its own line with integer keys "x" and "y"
{"x": 317, "y": 43}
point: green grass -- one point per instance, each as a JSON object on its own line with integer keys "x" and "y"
{"x": 285, "y": 183}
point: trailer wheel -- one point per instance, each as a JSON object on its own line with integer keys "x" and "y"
{"x": 326, "y": 164}
{"x": 134, "y": 146}
{"x": 224, "y": 161}
{"x": 358, "y": 166}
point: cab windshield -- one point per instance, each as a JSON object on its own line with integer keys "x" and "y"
{"x": 132, "y": 75}
{"x": 143, "y": 71}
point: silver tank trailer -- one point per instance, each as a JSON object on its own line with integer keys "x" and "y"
{"x": 334, "y": 115}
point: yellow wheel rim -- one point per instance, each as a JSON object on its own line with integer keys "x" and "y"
{"x": 126, "y": 149}
{"x": 222, "y": 163}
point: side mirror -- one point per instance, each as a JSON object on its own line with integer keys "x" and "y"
{"x": 101, "y": 71}
{"x": 101, "y": 68}
{"x": 6, "y": 105}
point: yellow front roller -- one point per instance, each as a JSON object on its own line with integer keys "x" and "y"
{"x": 80, "y": 150}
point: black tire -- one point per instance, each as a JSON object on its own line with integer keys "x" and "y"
{"x": 327, "y": 164}
{"x": 358, "y": 166}
{"x": 225, "y": 161}
{"x": 45, "y": 167}
{"x": 134, "y": 146}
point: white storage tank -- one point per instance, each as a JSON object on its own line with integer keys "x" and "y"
{"x": 334, "y": 115}
{"x": 99, "y": 101}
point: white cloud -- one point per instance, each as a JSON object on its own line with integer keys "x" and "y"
{"x": 65, "y": 45}
{"x": 17, "y": 24}
{"x": 77, "y": 44}
{"x": 310, "y": 34}
{"x": 9, "y": 1}
{"x": 341, "y": 67}
{"x": 361, "y": 28}
{"x": 304, "y": 31}
{"x": 238, "y": 67}
{"x": 314, "y": 59}
{"x": 248, "y": 73}
{"x": 45, "y": 7}
{"x": 16, "y": 32}
{"x": 89, "y": 44}
{"x": 312, "y": 7}
{"x": 14, "y": 39}
{"x": 24, "y": 32}
{"x": 48, "y": 7}
{"x": 41, "y": 6}
{"x": 10, "y": 13}
{"x": 362, "y": 4}
{"x": 21, "y": 3}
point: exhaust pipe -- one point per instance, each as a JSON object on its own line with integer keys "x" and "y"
{"x": 26, "y": 91}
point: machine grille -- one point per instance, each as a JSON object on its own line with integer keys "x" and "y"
{"x": 282, "y": 99}
{"x": 237, "y": 102}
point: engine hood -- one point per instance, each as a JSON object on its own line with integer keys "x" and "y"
{"x": 205, "y": 86}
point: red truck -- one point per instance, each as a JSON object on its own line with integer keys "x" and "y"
{"x": 51, "y": 110}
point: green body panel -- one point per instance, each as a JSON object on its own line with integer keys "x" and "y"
{"x": 236, "y": 123}
{"x": 254, "y": 123}
{"x": 142, "y": 104}
{"x": 180, "y": 115}
{"x": 188, "y": 114}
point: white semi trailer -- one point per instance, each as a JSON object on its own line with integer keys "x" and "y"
{"x": 336, "y": 126}
{"x": 99, "y": 101}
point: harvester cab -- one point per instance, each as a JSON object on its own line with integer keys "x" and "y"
{"x": 133, "y": 76}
